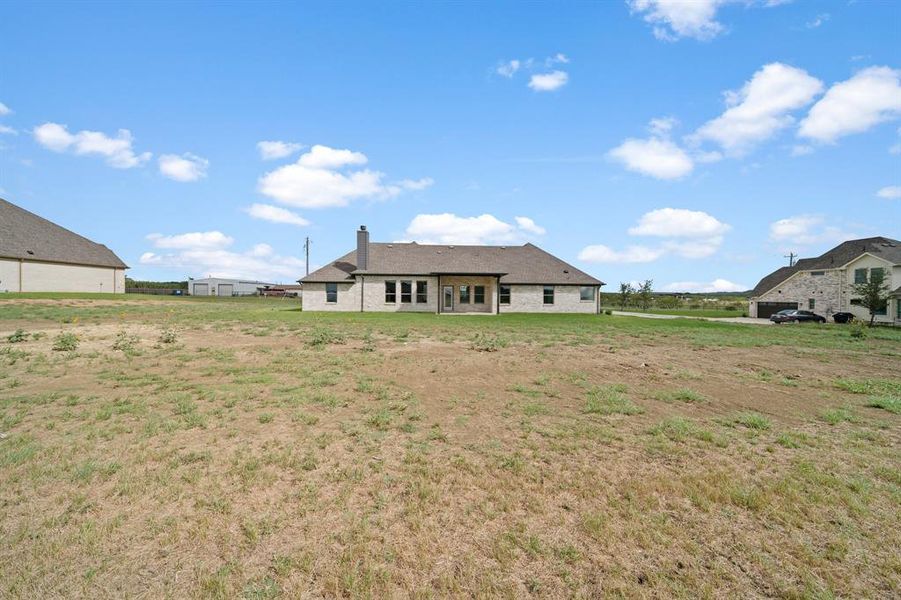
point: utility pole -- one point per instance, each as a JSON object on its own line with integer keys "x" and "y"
{"x": 306, "y": 251}
{"x": 791, "y": 256}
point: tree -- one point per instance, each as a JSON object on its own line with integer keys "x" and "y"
{"x": 873, "y": 293}
{"x": 625, "y": 294}
{"x": 645, "y": 294}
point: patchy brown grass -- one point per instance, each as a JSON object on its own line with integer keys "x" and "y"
{"x": 242, "y": 458}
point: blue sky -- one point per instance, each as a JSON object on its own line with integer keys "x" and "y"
{"x": 690, "y": 143}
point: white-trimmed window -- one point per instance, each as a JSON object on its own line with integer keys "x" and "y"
{"x": 406, "y": 292}
{"x": 422, "y": 292}
{"x": 548, "y": 294}
{"x": 586, "y": 293}
{"x": 505, "y": 294}
{"x": 390, "y": 292}
{"x": 331, "y": 293}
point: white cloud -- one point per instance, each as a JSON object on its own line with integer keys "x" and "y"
{"x": 655, "y": 157}
{"x": 717, "y": 285}
{"x": 416, "y": 184}
{"x": 276, "y": 214}
{"x": 321, "y": 179}
{"x": 203, "y": 254}
{"x": 633, "y": 254}
{"x": 805, "y": 230}
{"x": 323, "y": 157}
{"x": 448, "y": 228}
{"x": 818, "y": 20}
{"x": 187, "y": 167}
{"x": 662, "y": 126}
{"x": 5, "y": 110}
{"x": 558, "y": 58}
{"x": 270, "y": 150}
{"x": 674, "y": 19}
{"x": 679, "y": 222}
{"x": 529, "y": 226}
{"x": 548, "y": 82}
{"x": 4, "y": 129}
{"x": 760, "y": 108}
{"x": 870, "y": 97}
{"x": 890, "y": 192}
{"x": 801, "y": 150}
{"x": 688, "y": 233}
{"x": 199, "y": 239}
{"x": 508, "y": 69}
{"x": 117, "y": 151}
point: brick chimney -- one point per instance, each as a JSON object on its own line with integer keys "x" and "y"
{"x": 362, "y": 248}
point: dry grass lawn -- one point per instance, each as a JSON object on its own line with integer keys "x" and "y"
{"x": 244, "y": 448}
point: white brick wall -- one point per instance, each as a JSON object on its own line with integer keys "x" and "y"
{"x": 530, "y": 299}
{"x": 9, "y": 275}
{"x": 55, "y": 277}
{"x": 523, "y": 298}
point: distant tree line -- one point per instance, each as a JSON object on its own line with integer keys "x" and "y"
{"x": 643, "y": 297}
{"x": 168, "y": 285}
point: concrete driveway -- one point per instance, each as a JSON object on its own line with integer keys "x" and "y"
{"x": 747, "y": 320}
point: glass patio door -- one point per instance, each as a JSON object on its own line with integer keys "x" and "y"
{"x": 448, "y": 293}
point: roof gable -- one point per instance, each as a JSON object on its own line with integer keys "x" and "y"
{"x": 526, "y": 264}
{"x": 25, "y": 235}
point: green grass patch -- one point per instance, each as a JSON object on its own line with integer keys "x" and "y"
{"x": 610, "y": 400}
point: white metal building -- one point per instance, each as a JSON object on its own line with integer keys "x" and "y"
{"x": 39, "y": 256}
{"x": 217, "y": 286}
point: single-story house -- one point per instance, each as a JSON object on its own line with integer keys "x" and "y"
{"x": 39, "y": 256}
{"x": 411, "y": 277}
{"x": 218, "y": 286}
{"x": 825, "y": 284}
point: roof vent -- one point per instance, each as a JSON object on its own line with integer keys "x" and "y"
{"x": 566, "y": 270}
{"x": 31, "y": 252}
{"x": 450, "y": 247}
{"x": 391, "y": 245}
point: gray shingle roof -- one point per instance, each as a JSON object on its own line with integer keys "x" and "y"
{"x": 883, "y": 247}
{"x": 28, "y": 236}
{"x": 527, "y": 264}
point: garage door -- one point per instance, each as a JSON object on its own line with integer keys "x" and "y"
{"x": 226, "y": 289}
{"x": 201, "y": 289}
{"x": 767, "y": 309}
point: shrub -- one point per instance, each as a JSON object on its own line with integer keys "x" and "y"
{"x": 488, "y": 343}
{"x": 17, "y": 336}
{"x": 65, "y": 342}
{"x": 857, "y": 330}
{"x": 125, "y": 342}
{"x": 168, "y": 336}
{"x": 608, "y": 312}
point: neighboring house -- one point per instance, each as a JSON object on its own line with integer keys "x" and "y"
{"x": 411, "y": 277}
{"x": 39, "y": 256}
{"x": 825, "y": 284}
{"x": 218, "y": 286}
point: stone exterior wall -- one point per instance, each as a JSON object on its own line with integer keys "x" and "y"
{"x": 58, "y": 277}
{"x": 833, "y": 291}
{"x": 824, "y": 289}
{"x": 530, "y": 299}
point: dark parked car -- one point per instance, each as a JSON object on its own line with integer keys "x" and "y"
{"x": 843, "y": 317}
{"x": 791, "y": 315}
